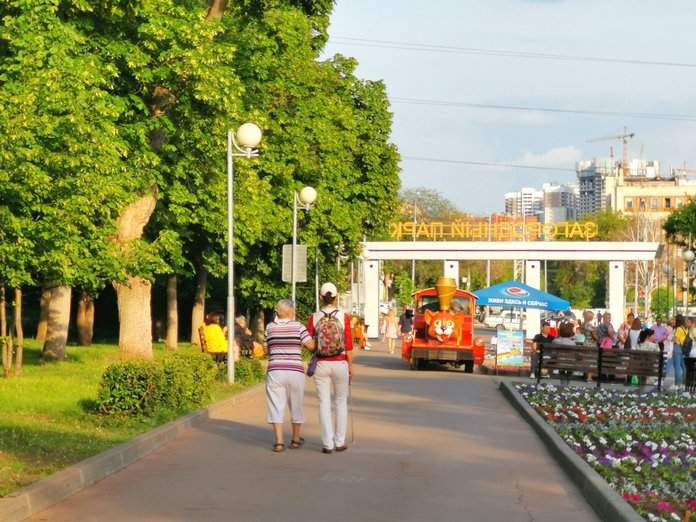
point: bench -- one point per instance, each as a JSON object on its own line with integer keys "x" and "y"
{"x": 601, "y": 362}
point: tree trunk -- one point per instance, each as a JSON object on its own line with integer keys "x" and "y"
{"x": 260, "y": 326}
{"x": 172, "y": 338}
{"x": 43, "y": 315}
{"x": 5, "y": 342}
{"x": 215, "y": 9}
{"x": 3, "y": 313}
{"x": 135, "y": 323}
{"x": 85, "y": 319}
{"x": 19, "y": 332}
{"x": 58, "y": 322}
{"x": 135, "y": 318}
{"x": 198, "y": 312}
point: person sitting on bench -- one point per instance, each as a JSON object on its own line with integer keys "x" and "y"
{"x": 215, "y": 337}
{"x": 565, "y": 338}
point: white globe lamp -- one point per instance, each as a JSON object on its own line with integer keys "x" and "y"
{"x": 308, "y": 195}
{"x": 249, "y": 136}
{"x": 688, "y": 255}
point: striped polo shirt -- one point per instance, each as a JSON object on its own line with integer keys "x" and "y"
{"x": 284, "y": 340}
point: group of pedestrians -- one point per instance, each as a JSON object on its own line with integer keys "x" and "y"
{"x": 674, "y": 339}
{"x": 392, "y": 328}
{"x": 328, "y": 336}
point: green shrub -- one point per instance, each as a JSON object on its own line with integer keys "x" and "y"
{"x": 133, "y": 387}
{"x": 248, "y": 371}
{"x": 177, "y": 382}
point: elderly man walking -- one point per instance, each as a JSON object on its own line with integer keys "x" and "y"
{"x": 285, "y": 380}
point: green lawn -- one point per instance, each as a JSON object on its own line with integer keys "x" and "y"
{"x": 46, "y": 415}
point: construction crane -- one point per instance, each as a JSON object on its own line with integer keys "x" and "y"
{"x": 684, "y": 169}
{"x": 624, "y": 138}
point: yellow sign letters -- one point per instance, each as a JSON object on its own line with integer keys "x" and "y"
{"x": 502, "y": 231}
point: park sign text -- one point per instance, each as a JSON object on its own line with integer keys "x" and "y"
{"x": 500, "y": 231}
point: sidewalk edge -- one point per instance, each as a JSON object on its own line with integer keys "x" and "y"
{"x": 49, "y": 491}
{"x": 605, "y": 501}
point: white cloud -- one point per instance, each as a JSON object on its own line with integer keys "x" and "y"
{"x": 562, "y": 157}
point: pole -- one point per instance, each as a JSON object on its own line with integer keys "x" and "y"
{"x": 413, "y": 261}
{"x": 352, "y": 288}
{"x": 659, "y": 297}
{"x": 488, "y": 264}
{"x": 316, "y": 282}
{"x": 635, "y": 291}
{"x": 294, "y": 245}
{"x": 546, "y": 278}
{"x": 230, "y": 261}
{"x": 674, "y": 285}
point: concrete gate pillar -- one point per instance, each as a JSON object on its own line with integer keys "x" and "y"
{"x": 532, "y": 324}
{"x": 452, "y": 270}
{"x": 616, "y": 292}
{"x": 371, "y": 287}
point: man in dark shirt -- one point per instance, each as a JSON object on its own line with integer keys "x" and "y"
{"x": 406, "y": 321}
{"x": 543, "y": 337}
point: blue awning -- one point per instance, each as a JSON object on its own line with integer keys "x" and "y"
{"x": 513, "y": 294}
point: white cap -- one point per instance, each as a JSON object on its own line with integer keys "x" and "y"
{"x": 328, "y": 288}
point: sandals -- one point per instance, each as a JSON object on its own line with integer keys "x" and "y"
{"x": 294, "y": 444}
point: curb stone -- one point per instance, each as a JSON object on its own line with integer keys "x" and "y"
{"x": 605, "y": 501}
{"x": 43, "y": 494}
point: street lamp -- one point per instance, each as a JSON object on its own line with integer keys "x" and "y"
{"x": 248, "y": 139}
{"x": 306, "y": 197}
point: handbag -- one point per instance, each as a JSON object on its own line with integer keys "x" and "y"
{"x": 312, "y": 366}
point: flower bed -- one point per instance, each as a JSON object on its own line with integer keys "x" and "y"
{"x": 644, "y": 445}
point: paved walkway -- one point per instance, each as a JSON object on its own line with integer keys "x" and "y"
{"x": 429, "y": 446}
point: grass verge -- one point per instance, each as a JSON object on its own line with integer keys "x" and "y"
{"x": 47, "y": 419}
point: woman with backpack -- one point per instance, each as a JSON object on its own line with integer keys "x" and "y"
{"x": 330, "y": 327}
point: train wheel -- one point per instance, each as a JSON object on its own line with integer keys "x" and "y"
{"x": 469, "y": 367}
{"x": 421, "y": 364}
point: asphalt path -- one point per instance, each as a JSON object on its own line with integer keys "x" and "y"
{"x": 428, "y": 446}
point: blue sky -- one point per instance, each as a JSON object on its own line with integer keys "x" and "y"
{"x": 641, "y": 30}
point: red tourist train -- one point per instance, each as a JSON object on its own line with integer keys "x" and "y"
{"x": 443, "y": 328}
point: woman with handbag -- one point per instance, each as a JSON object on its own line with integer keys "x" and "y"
{"x": 285, "y": 378}
{"x": 682, "y": 341}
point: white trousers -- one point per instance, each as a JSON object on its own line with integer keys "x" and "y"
{"x": 331, "y": 379}
{"x": 283, "y": 388}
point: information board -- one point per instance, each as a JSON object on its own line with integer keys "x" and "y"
{"x": 510, "y": 348}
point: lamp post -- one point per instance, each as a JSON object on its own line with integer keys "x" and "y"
{"x": 688, "y": 256}
{"x": 306, "y": 197}
{"x": 670, "y": 277}
{"x": 248, "y": 139}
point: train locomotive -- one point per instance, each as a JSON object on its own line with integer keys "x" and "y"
{"x": 443, "y": 328}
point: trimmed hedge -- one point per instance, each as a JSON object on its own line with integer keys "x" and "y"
{"x": 177, "y": 382}
{"x": 248, "y": 371}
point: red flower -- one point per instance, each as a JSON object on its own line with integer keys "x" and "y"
{"x": 663, "y": 505}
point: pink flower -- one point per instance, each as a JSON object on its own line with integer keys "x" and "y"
{"x": 663, "y": 505}
{"x": 692, "y": 505}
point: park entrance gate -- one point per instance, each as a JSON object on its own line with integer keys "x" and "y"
{"x": 532, "y": 253}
